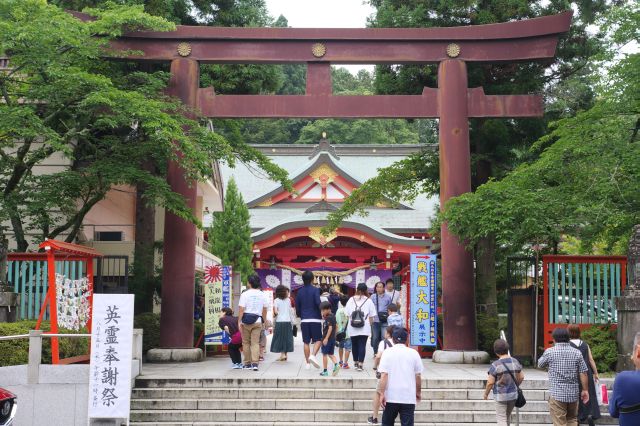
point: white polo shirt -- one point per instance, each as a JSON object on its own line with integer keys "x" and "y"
{"x": 401, "y": 364}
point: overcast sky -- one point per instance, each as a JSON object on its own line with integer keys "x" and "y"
{"x": 323, "y": 14}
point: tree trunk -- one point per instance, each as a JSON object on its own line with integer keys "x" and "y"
{"x": 4, "y": 251}
{"x": 486, "y": 275}
{"x": 143, "y": 280}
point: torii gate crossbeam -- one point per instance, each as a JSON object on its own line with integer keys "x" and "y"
{"x": 452, "y": 102}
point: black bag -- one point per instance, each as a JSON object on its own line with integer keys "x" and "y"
{"x": 382, "y": 316}
{"x": 249, "y": 319}
{"x": 357, "y": 316}
{"x": 294, "y": 331}
{"x": 520, "y": 400}
{"x": 340, "y": 336}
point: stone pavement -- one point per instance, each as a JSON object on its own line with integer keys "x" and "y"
{"x": 220, "y": 367}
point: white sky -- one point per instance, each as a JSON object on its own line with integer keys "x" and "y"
{"x": 323, "y": 14}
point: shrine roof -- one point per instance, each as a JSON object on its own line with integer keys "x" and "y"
{"x": 319, "y": 219}
{"x": 357, "y": 162}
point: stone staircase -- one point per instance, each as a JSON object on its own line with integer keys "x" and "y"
{"x": 317, "y": 402}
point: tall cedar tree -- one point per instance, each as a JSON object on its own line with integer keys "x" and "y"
{"x": 230, "y": 233}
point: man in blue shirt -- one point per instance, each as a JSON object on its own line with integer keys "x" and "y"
{"x": 625, "y": 401}
{"x": 308, "y": 309}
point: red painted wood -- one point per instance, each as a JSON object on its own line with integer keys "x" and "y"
{"x": 458, "y": 294}
{"x": 318, "y": 252}
{"x": 319, "y": 78}
{"x": 178, "y": 277}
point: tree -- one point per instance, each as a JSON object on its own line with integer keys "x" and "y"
{"x": 230, "y": 233}
{"x": 496, "y": 145}
{"x": 61, "y": 98}
{"x": 584, "y": 184}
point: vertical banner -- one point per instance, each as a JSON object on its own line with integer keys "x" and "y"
{"x": 110, "y": 365}
{"x": 423, "y": 300}
{"x": 217, "y": 295}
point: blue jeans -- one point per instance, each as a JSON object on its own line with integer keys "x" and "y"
{"x": 377, "y": 334}
{"x": 391, "y": 411}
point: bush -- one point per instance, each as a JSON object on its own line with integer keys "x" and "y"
{"x": 16, "y": 352}
{"x": 602, "y": 341}
{"x": 488, "y": 332}
{"x": 150, "y": 323}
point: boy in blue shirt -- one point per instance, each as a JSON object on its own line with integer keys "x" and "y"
{"x": 625, "y": 401}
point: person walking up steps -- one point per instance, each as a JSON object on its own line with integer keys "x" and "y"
{"x": 625, "y": 401}
{"x": 590, "y": 411}
{"x": 252, "y": 310}
{"x": 400, "y": 386}
{"x": 328, "y": 339}
{"x": 387, "y": 342}
{"x": 500, "y": 378}
{"x": 381, "y": 300}
{"x": 567, "y": 372}
{"x": 282, "y": 341}
{"x": 361, "y": 312}
{"x": 307, "y": 308}
{"x": 342, "y": 337}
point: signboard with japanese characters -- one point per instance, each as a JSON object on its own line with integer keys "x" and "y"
{"x": 423, "y": 303}
{"x": 111, "y": 347}
{"x": 217, "y": 295}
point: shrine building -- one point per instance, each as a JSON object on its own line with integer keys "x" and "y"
{"x": 286, "y": 227}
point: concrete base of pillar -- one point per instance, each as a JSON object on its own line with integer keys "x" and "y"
{"x": 628, "y": 306}
{"x": 174, "y": 355}
{"x": 460, "y": 357}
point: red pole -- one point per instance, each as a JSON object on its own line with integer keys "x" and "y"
{"x": 458, "y": 292}
{"x": 53, "y": 309}
{"x": 178, "y": 275}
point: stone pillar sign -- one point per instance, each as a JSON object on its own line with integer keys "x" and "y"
{"x": 628, "y": 304}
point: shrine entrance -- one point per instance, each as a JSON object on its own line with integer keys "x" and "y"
{"x": 452, "y": 102}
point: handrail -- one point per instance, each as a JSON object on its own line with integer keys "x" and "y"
{"x": 17, "y": 336}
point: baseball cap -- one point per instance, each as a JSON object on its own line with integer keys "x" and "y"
{"x": 400, "y": 335}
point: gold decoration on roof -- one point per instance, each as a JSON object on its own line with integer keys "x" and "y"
{"x": 266, "y": 203}
{"x": 453, "y": 50}
{"x": 315, "y": 233}
{"x": 184, "y": 49}
{"x": 318, "y": 50}
{"x": 323, "y": 174}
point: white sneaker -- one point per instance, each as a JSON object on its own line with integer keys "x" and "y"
{"x": 314, "y": 361}
{"x": 307, "y": 366}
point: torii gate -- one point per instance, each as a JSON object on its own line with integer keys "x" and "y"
{"x": 452, "y": 103}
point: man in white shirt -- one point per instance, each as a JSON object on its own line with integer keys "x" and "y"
{"x": 393, "y": 293}
{"x": 400, "y": 383}
{"x": 252, "y": 310}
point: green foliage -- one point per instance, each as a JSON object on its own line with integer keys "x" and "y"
{"x": 16, "y": 351}
{"x": 604, "y": 351}
{"x": 488, "y": 331}
{"x": 150, "y": 324}
{"x": 584, "y": 182}
{"x": 230, "y": 233}
{"x": 103, "y": 119}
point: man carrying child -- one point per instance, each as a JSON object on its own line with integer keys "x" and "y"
{"x": 328, "y": 339}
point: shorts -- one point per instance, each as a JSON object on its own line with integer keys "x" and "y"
{"x": 329, "y": 347}
{"x": 311, "y": 332}
{"x": 345, "y": 344}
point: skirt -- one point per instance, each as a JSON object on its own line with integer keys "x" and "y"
{"x": 282, "y": 340}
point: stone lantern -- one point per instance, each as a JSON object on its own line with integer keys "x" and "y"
{"x": 628, "y": 304}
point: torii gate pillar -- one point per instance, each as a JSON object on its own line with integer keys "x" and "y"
{"x": 458, "y": 293}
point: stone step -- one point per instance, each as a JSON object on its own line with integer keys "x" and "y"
{"x": 333, "y": 417}
{"x": 307, "y": 393}
{"x": 317, "y": 404}
{"x": 298, "y": 424}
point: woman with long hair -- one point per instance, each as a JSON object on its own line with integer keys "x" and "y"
{"x": 282, "y": 341}
{"x": 360, "y": 311}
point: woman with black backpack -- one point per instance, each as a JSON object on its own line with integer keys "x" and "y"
{"x": 361, "y": 311}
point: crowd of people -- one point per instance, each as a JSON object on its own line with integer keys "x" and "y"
{"x": 330, "y": 320}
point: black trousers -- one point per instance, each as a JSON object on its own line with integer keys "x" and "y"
{"x": 359, "y": 347}
{"x": 234, "y": 353}
{"x": 391, "y": 411}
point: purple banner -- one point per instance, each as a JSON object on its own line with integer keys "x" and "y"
{"x": 271, "y": 278}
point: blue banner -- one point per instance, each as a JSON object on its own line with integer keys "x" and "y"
{"x": 217, "y": 296}
{"x": 423, "y": 303}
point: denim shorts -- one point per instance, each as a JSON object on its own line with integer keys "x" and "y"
{"x": 345, "y": 344}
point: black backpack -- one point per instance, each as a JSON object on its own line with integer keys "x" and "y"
{"x": 357, "y": 317}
